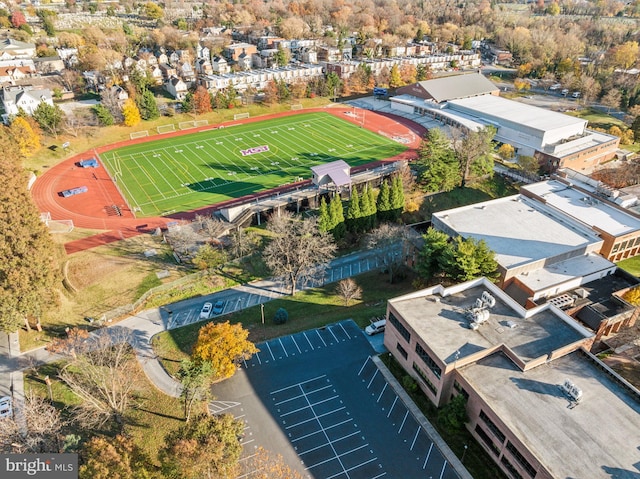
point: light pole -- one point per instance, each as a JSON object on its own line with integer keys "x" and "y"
{"x": 262, "y": 311}
{"x": 464, "y": 453}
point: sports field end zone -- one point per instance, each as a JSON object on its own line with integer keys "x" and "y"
{"x": 190, "y": 171}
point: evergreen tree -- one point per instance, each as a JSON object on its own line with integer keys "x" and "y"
{"x": 368, "y": 208}
{"x": 147, "y": 105}
{"x": 29, "y": 273}
{"x": 466, "y": 259}
{"x": 396, "y": 196}
{"x": 324, "y": 218}
{"x": 428, "y": 263}
{"x": 336, "y": 213}
{"x": 438, "y": 168}
{"x": 49, "y": 117}
{"x": 354, "y": 212}
{"x": 384, "y": 202}
{"x": 188, "y": 104}
{"x": 105, "y": 118}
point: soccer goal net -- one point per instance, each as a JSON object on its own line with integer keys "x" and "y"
{"x": 297, "y": 107}
{"x": 198, "y": 123}
{"x": 240, "y": 116}
{"x": 185, "y": 125}
{"x": 139, "y": 134}
{"x": 56, "y": 226}
{"x": 166, "y": 128}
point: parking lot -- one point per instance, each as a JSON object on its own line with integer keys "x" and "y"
{"x": 316, "y": 398}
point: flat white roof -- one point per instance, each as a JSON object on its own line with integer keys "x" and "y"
{"x": 584, "y": 208}
{"x": 597, "y": 439}
{"x": 518, "y": 230}
{"x": 516, "y": 112}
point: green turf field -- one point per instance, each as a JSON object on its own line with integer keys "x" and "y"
{"x": 191, "y": 171}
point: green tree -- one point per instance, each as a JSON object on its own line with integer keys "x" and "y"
{"x": 473, "y": 151}
{"x": 453, "y": 415}
{"x": 396, "y": 196}
{"x": 333, "y": 85}
{"x": 195, "y": 378}
{"x": 466, "y": 259}
{"x": 105, "y": 118}
{"x": 437, "y": 165}
{"x": 224, "y": 345}
{"x": 324, "y": 220}
{"x": 153, "y": 11}
{"x": 336, "y": 213}
{"x": 111, "y": 458}
{"x": 281, "y": 57}
{"x": 49, "y": 117}
{"x": 209, "y": 257}
{"x": 29, "y": 270}
{"x": 207, "y": 447}
{"x": 281, "y": 316}
{"x": 188, "y": 104}
{"x": 384, "y": 202}
{"x": 367, "y": 208}
{"x": 147, "y": 105}
{"x": 428, "y": 262}
{"x": 354, "y": 212}
{"x": 422, "y": 72}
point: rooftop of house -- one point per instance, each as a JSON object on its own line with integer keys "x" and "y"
{"x": 530, "y": 334}
{"x": 598, "y": 438}
{"x": 584, "y": 208}
{"x": 519, "y": 230}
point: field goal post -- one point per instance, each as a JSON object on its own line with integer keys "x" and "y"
{"x": 297, "y": 106}
{"x": 139, "y": 134}
{"x": 241, "y": 116}
{"x": 166, "y": 128}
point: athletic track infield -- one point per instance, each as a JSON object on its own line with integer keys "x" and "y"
{"x": 93, "y": 210}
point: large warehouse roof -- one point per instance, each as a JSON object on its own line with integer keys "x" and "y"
{"x": 447, "y": 88}
{"x": 489, "y": 106}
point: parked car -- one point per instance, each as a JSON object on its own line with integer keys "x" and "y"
{"x": 218, "y": 307}
{"x": 376, "y": 327}
{"x": 205, "y": 312}
{"x": 565, "y": 92}
{"x": 555, "y": 86}
{"x": 5, "y": 407}
{"x": 575, "y": 94}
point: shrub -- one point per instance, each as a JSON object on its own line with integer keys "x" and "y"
{"x": 281, "y": 316}
{"x": 409, "y": 384}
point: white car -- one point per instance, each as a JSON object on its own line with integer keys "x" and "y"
{"x": 206, "y": 311}
{"x": 5, "y": 407}
{"x": 555, "y": 86}
{"x": 375, "y": 328}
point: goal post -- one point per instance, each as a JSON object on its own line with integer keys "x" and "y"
{"x": 241, "y": 116}
{"x": 166, "y": 128}
{"x": 139, "y": 134}
{"x": 185, "y": 125}
{"x": 198, "y": 123}
{"x": 297, "y": 106}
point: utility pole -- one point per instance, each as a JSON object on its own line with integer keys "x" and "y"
{"x": 262, "y": 311}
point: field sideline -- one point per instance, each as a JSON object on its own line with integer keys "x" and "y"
{"x": 187, "y": 172}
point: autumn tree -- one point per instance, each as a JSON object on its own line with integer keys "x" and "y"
{"x": 103, "y": 376}
{"x": 395, "y": 80}
{"x": 18, "y": 19}
{"x": 49, "y": 117}
{"x": 195, "y": 378}
{"x": 297, "y": 249}
{"x": 243, "y": 242}
{"x": 210, "y": 257}
{"x": 27, "y": 139}
{"x": 29, "y": 271}
{"x": 38, "y": 429}
{"x": 391, "y": 244}
{"x": 348, "y": 290}
{"x": 506, "y": 151}
{"x": 473, "y": 152}
{"x": 612, "y": 99}
{"x": 114, "y": 458}
{"x": 153, "y": 11}
{"x": 130, "y": 113}
{"x": 224, "y": 345}
{"x": 265, "y": 465}
{"x": 201, "y": 101}
{"x": 207, "y": 447}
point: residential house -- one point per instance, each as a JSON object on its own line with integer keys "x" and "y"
{"x": 235, "y": 50}
{"x": 68, "y": 55}
{"x": 167, "y": 70}
{"x": 47, "y": 65}
{"x": 220, "y": 65}
{"x": 245, "y": 61}
{"x": 204, "y": 67}
{"x": 176, "y": 88}
{"x": 162, "y": 58}
{"x": 186, "y": 72}
{"x": 23, "y": 98}
{"x": 11, "y": 49}
{"x": 119, "y": 93}
{"x": 155, "y": 73}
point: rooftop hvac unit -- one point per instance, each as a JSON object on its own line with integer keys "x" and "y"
{"x": 488, "y": 300}
{"x": 571, "y": 390}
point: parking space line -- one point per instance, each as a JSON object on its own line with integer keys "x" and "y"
{"x": 444, "y": 466}
{"x": 379, "y": 475}
{"x": 362, "y": 368}
{"x": 294, "y": 342}
{"x": 293, "y": 398}
{"x": 384, "y": 388}
{"x": 391, "y": 408}
{"x": 316, "y": 418}
{"x": 257, "y": 355}
{"x": 307, "y": 407}
{"x": 426, "y": 459}
{"x": 321, "y": 339}
{"x": 270, "y": 352}
{"x": 403, "y": 421}
{"x": 345, "y": 331}
{"x": 305, "y": 335}
{"x": 298, "y": 384}
{"x": 327, "y": 428}
{"x": 334, "y": 336}
{"x": 373, "y": 377}
{"x": 283, "y": 348}
{"x": 352, "y": 468}
{"x": 415, "y": 438}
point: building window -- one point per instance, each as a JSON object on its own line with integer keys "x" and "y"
{"x": 426, "y": 380}
{"x": 509, "y": 467}
{"x": 431, "y": 364}
{"x": 520, "y": 458}
{"x": 492, "y": 427}
{"x": 401, "y": 350}
{"x": 404, "y": 332}
{"x": 460, "y": 389}
{"x": 487, "y": 440}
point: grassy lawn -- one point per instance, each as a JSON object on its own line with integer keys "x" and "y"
{"x": 476, "y": 459}
{"x": 597, "y": 118}
{"x": 308, "y": 309}
{"x": 631, "y": 265}
{"x": 187, "y": 172}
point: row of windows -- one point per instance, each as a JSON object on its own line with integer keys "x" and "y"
{"x": 404, "y": 332}
{"x": 460, "y": 389}
{"x": 626, "y": 245}
{"x": 431, "y": 364}
{"x": 520, "y": 458}
{"x": 487, "y": 440}
{"x": 402, "y": 351}
{"x": 492, "y": 427}
{"x": 509, "y": 467}
{"x": 424, "y": 377}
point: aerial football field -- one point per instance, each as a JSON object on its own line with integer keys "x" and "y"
{"x": 191, "y": 171}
